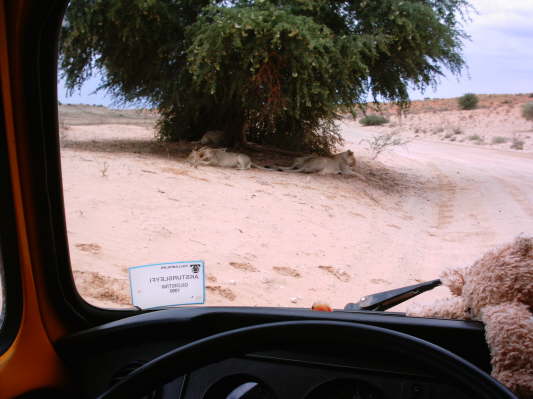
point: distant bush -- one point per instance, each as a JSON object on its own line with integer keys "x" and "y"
{"x": 499, "y": 140}
{"x": 373, "y": 120}
{"x": 527, "y": 111}
{"x": 468, "y": 101}
{"x": 474, "y": 137}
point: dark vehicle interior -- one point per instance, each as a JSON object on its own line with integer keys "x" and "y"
{"x": 54, "y": 344}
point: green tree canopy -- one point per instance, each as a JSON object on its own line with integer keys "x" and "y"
{"x": 275, "y": 71}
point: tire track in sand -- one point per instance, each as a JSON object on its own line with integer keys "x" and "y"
{"x": 518, "y": 196}
{"x": 447, "y": 192}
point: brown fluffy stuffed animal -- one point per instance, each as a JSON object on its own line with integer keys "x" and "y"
{"x": 497, "y": 290}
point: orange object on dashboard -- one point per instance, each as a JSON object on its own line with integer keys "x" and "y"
{"x": 321, "y": 307}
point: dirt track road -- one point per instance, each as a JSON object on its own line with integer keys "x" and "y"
{"x": 490, "y": 191}
{"x": 496, "y": 186}
{"x": 481, "y": 198}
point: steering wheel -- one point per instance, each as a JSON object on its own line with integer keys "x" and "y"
{"x": 202, "y": 352}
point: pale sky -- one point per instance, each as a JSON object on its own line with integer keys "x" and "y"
{"x": 499, "y": 56}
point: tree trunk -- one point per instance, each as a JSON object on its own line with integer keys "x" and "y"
{"x": 235, "y": 128}
{"x": 237, "y": 131}
{"x": 267, "y": 148}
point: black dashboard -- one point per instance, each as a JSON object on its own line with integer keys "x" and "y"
{"x": 295, "y": 375}
{"x": 101, "y": 356}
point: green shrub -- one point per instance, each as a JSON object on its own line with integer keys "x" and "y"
{"x": 527, "y": 111}
{"x": 373, "y": 120}
{"x": 499, "y": 140}
{"x": 474, "y": 137}
{"x": 468, "y": 101}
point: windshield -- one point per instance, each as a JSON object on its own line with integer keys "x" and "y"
{"x": 241, "y": 139}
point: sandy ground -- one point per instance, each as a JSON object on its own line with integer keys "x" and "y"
{"x": 280, "y": 239}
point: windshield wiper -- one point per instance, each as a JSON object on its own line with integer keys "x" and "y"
{"x": 387, "y": 299}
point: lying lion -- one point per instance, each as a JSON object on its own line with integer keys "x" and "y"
{"x": 213, "y": 138}
{"x": 341, "y": 163}
{"x": 221, "y": 157}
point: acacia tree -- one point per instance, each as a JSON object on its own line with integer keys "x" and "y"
{"x": 270, "y": 71}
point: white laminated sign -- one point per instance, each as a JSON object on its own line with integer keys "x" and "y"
{"x": 167, "y": 284}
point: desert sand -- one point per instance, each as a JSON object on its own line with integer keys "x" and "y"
{"x": 272, "y": 238}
